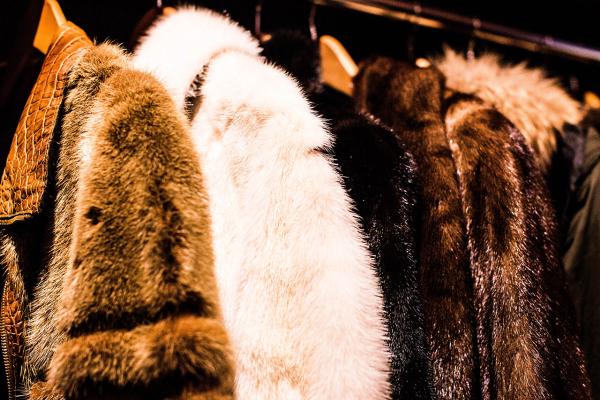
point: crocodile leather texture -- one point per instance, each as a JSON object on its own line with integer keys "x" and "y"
{"x": 25, "y": 175}
{"x": 26, "y": 172}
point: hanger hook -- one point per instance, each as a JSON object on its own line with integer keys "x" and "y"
{"x": 258, "y": 18}
{"x": 410, "y": 38}
{"x": 312, "y": 26}
{"x": 476, "y": 25}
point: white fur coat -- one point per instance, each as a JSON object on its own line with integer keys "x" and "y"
{"x": 300, "y": 297}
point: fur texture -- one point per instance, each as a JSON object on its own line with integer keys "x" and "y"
{"x": 528, "y": 346}
{"x": 128, "y": 307}
{"x": 299, "y": 291}
{"x": 536, "y": 104}
{"x": 410, "y": 100}
{"x": 379, "y": 174}
{"x": 42, "y": 334}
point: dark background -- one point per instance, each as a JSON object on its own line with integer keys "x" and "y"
{"x": 574, "y": 20}
{"x": 362, "y": 35}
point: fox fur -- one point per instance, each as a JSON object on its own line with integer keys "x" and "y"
{"x": 128, "y": 307}
{"x": 299, "y": 290}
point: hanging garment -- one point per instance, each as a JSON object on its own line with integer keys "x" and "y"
{"x": 526, "y": 343}
{"x": 379, "y": 175}
{"x": 410, "y": 100}
{"x": 299, "y": 291}
{"x": 126, "y": 305}
{"x": 538, "y": 106}
{"x": 581, "y": 255}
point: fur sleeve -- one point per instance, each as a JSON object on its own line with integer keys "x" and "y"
{"x": 139, "y": 307}
{"x": 380, "y": 177}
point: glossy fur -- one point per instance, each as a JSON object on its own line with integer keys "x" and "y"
{"x": 528, "y": 346}
{"x": 410, "y": 101}
{"x": 537, "y": 104}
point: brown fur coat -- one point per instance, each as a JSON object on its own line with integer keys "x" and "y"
{"x": 410, "y": 101}
{"x": 128, "y": 305}
{"x": 481, "y": 184}
{"x": 528, "y": 347}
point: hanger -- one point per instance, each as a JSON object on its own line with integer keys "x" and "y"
{"x": 51, "y": 20}
{"x": 338, "y": 69}
{"x": 591, "y": 99}
{"x": 476, "y": 26}
{"x": 263, "y": 37}
{"x": 337, "y": 66}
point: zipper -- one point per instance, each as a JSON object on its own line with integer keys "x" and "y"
{"x": 10, "y": 383}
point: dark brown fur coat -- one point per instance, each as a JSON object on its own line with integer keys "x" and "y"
{"x": 528, "y": 347}
{"x": 410, "y": 101}
{"x": 486, "y": 202}
{"x": 128, "y": 305}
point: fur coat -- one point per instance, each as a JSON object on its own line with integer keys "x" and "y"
{"x": 526, "y": 342}
{"x": 299, "y": 291}
{"x": 379, "y": 174}
{"x": 127, "y": 305}
{"x": 529, "y": 346}
{"x": 410, "y": 100}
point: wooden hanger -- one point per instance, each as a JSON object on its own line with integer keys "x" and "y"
{"x": 591, "y": 100}
{"x": 337, "y": 66}
{"x": 51, "y": 20}
{"x": 168, "y": 10}
{"x": 338, "y": 69}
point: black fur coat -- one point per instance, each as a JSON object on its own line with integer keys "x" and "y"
{"x": 379, "y": 175}
{"x": 526, "y": 344}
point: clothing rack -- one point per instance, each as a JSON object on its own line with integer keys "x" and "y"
{"x": 435, "y": 18}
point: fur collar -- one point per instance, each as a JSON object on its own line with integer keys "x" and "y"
{"x": 300, "y": 296}
{"x": 380, "y": 176}
{"x": 536, "y": 104}
{"x": 128, "y": 304}
{"x": 410, "y": 101}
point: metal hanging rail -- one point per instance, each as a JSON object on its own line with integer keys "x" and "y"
{"x": 435, "y": 18}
